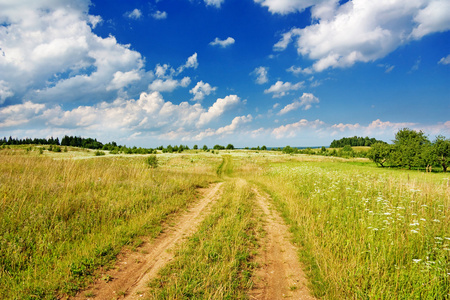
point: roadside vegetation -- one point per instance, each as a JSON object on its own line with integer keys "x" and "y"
{"x": 364, "y": 232}
{"x": 60, "y": 220}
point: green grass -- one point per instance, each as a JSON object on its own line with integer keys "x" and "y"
{"x": 366, "y": 232}
{"x": 60, "y": 220}
{"x": 215, "y": 263}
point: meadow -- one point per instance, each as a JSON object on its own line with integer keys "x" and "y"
{"x": 61, "y": 219}
{"x": 363, "y": 232}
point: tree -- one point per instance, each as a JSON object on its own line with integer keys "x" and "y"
{"x": 230, "y": 147}
{"x": 409, "y": 148}
{"x": 205, "y": 147}
{"x": 380, "y": 153}
{"x": 441, "y": 150}
{"x": 288, "y": 150}
{"x": 195, "y": 147}
{"x": 264, "y": 148}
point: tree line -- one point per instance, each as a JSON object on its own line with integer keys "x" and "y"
{"x": 354, "y": 142}
{"x": 412, "y": 149}
{"x": 28, "y": 141}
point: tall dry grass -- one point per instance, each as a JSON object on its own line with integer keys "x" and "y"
{"x": 62, "y": 219}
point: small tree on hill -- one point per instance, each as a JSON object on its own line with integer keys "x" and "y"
{"x": 380, "y": 153}
{"x": 409, "y": 148}
{"x": 441, "y": 150}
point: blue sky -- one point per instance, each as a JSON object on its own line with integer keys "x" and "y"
{"x": 247, "y": 72}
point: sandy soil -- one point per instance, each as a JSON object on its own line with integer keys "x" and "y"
{"x": 280, "y": 275}
{"x": 133, "y": 270}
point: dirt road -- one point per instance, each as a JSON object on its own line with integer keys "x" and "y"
{"x": 280, "y": 275}
{"x": 135, "y": 269}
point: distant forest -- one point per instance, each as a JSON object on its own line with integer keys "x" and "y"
{"x": 354, "y": 141}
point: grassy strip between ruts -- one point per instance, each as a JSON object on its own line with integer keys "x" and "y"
{"x": 62, "y": 219}
{"x": 366, "y": 233}
{"x": 215, "y": 263}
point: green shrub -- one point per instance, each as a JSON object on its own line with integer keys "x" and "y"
{"x": 152, "y": 161}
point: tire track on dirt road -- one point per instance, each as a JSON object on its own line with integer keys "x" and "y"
{"x": 280, "y": 275}
{"x": 133, "y": 270}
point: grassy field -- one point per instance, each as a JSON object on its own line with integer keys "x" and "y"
{"x": 364, "y": 232}
{"x": 62, "y": 219}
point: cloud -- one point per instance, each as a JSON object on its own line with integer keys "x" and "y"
{"x": 222, "y": 43}
{"x": 122, "y": 79}
{"x": 261, "y": 75}
{"x": 286, "y": 6}
{"x": 359, "y": 30}
{"x": 297, "y": 70}
{"x": 434, "y": 17}
{"x": 201, "y": 90}
{"x": 159, "y": 15}
{"x": 135, "y": 14}
{"x": 305, "y": 102}
{"x": 19, "y": 114}
{"x": 387, "y": 67}
{"x": 379, "y": 125}
{"x": 52, "y": 55}
{"x": 343, "y": 127}
{"x": 229, "y": 129}
{"x": 168, "y": 85}
{"x": 280, "y": 89}
{"x": 150, "y": 114}
{"x": 164, "y": 71}
{"x": 5, "y": 91}
{"x": 445, "y": 60}
{"x": 291, "y": 130}
{"x": 216, "y": 3}
{"x": 217, "y": 109}
{"x": 191, "y": 62}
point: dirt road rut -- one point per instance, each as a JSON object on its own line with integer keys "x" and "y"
{"x": 133, "y": 270}
{"x": 280, "y": 275}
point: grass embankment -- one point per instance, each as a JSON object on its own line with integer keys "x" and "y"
{"x": 365, "y": 232}
{"x": 215, "y": 263}
{"x": 62, "y": 219}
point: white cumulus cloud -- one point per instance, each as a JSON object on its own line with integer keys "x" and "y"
{"x": 305, "y": 102}
{"x": 216, "y": 3}
{"x": 359, "y": 30}
{"x": 159, "y": 15}
{"x": 218, "y": 108}
{"x": 134, "y": 14}
{"x": 50, "y": 54}
{"x": 261, "y": 75}
{"x": 280, "y": 88}
{"x": 168, "y": 85}
{"x": 200, "y": 90}
{"x": 445, "y": 60}
{"x": 222, "y": 43}
{"x": 291, "y": 130}
{"x": 192, "y": 62}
